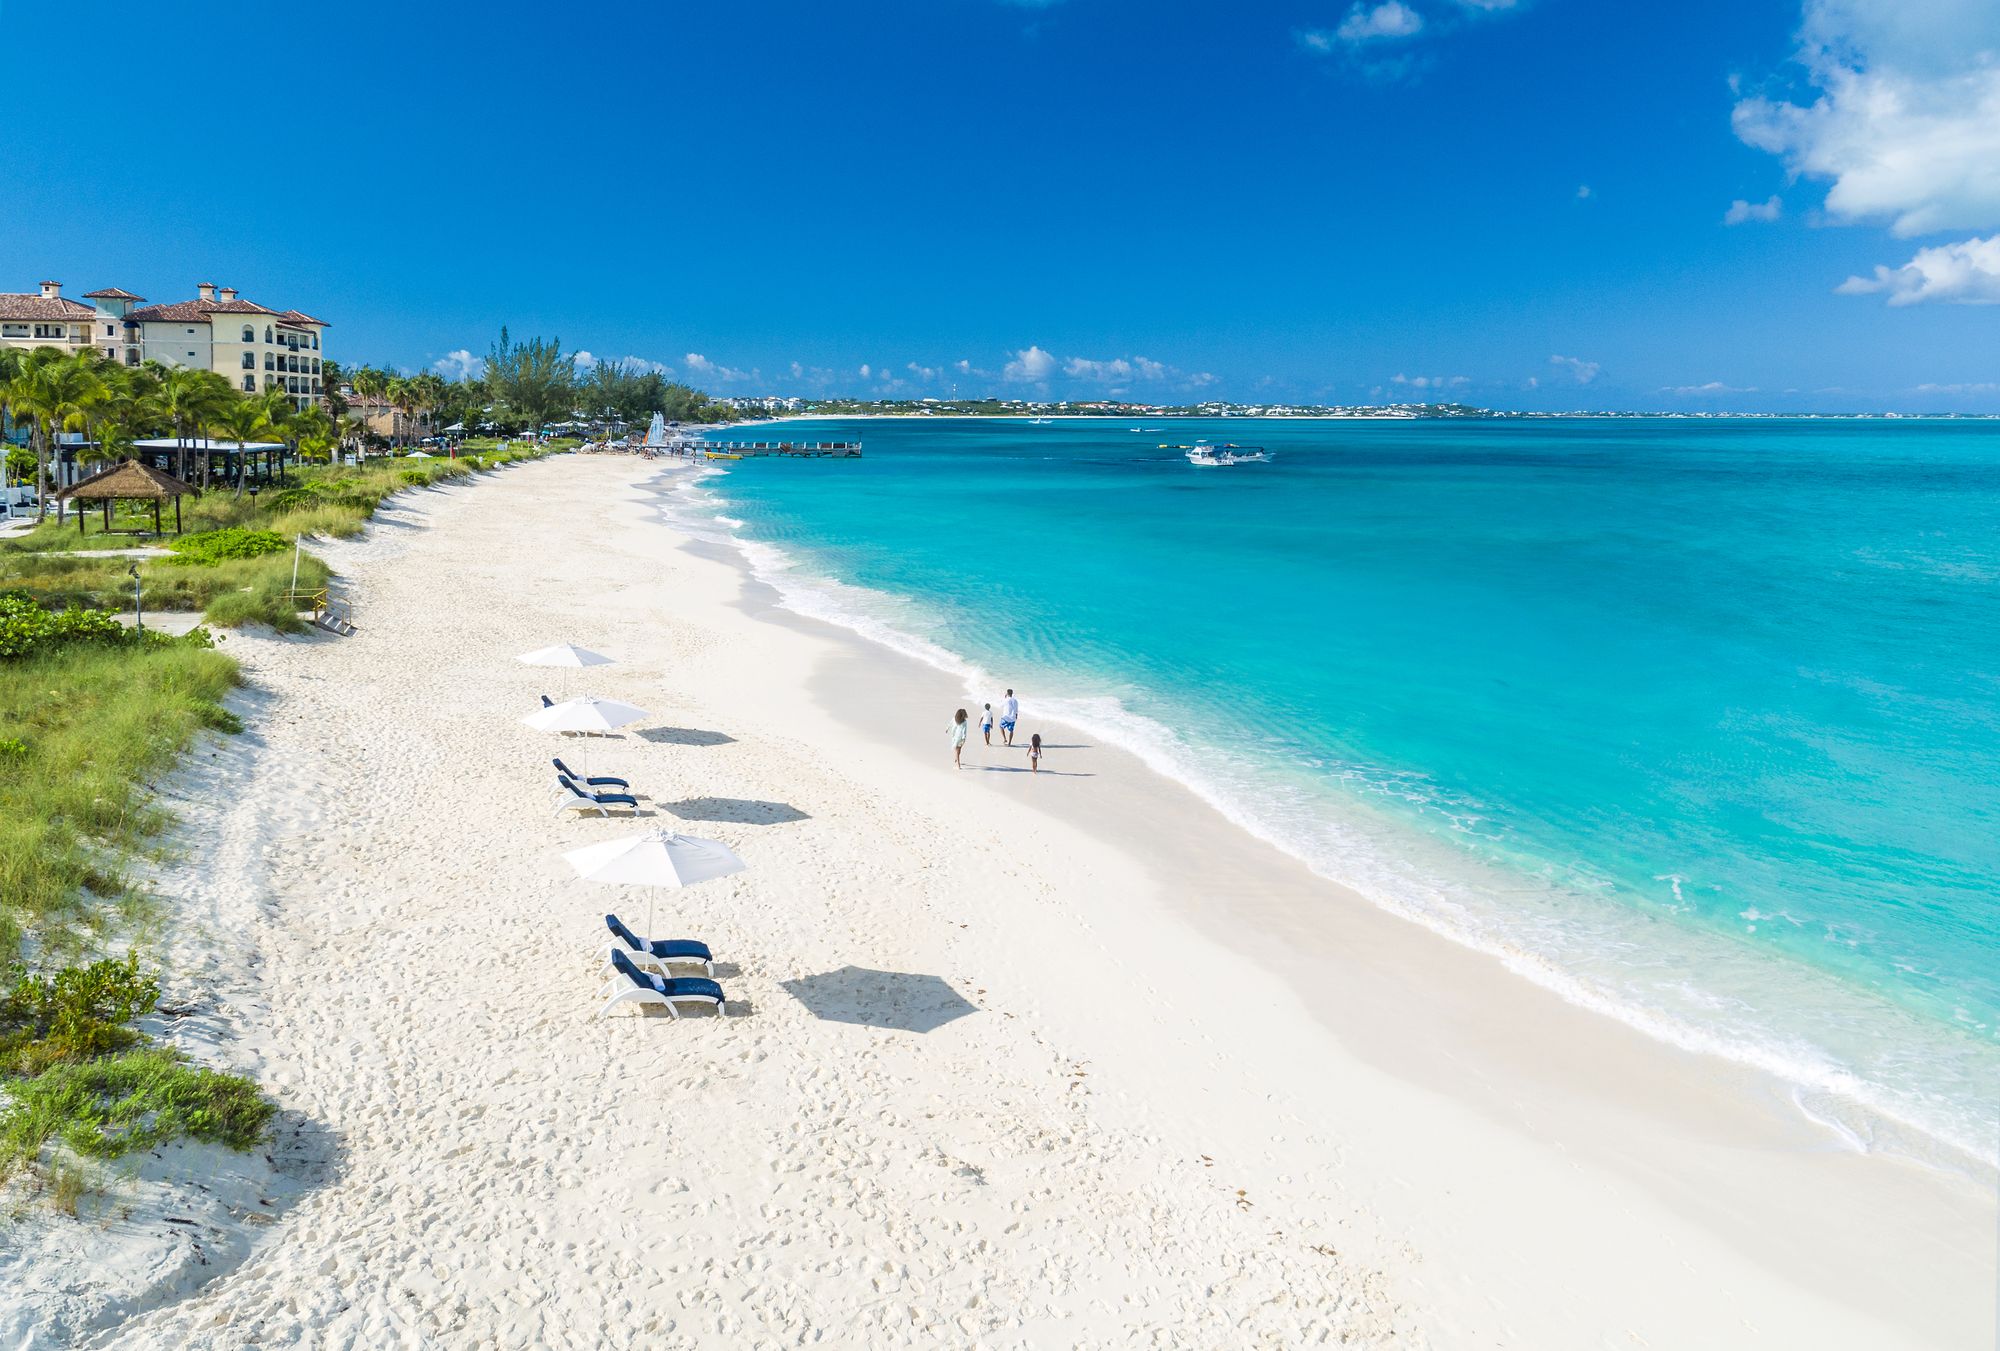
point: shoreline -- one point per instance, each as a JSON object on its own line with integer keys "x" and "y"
{"x": 1026, "y": 1071}
{"x": 1691, "y": 1108}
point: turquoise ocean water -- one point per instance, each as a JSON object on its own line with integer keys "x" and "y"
{"x": 1697, "y": 723}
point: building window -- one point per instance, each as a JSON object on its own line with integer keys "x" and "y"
{"x": 267, "y": 333}
{"x": 111, "y": 330}
{"x": 270, "y": 362}
{"x": 315, "y": 365}
{"x": 249, "y": 333}
{"x": 250, "y": 383}
{"x": 249, "y": 361}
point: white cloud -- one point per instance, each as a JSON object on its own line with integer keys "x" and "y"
{"x": 1583, "y": 192}
{"x": 924, "y": 373}
{"x": 1368, "y": 23}
{"x": 1489, "y": 6}
{"x": 1713, "y": 387}
{"x": 1965, "y": 273}
{"x": 1030, "y": 363}
{"x": 459, "y": 365}
{"x": 1740, "y": 212}
{"x": 699, "y": 365}
{"x": 1430, "y": 381}
{"x": 1982, "y": 387}
{"x": 584, "y": 360}
{"x": 1579, "y": 370}
{"x": 1906, "y": 121}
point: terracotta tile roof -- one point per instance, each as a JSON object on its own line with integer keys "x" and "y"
{"x": 111, "y": 293}
{"x": 13, "y": 306}
{"x": 295, "y": 317}
{"x": 194, "y": 311}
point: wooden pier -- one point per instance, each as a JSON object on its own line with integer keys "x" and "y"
{"x": 842, "y": 450}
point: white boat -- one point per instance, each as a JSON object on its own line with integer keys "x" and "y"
{"x": 1207, "y": 455}
{"x": 1038, "y": 421}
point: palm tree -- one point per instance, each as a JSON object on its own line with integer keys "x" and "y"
{"x": 11, "y": 365}
{"x": 189, "y": 398}
{"x": 354, "y": 430}
{"x": 241, "y": 420}
{"x": 60, "y": 390}
{"x": 371, "y": 384}
{"x": 402, "y": 396}
{"x": 309, "y": 432}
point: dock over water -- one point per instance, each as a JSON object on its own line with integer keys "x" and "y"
{"x": 844, "y": 450}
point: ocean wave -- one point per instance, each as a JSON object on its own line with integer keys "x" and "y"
{"x": 1532, "y": 934}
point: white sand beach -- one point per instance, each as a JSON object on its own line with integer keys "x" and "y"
{"x": 1010, "y": 1060}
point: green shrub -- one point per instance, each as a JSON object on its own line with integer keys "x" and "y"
{"x": 416, "y": 478}
{"x": 26, "y": 626}
{"x": 216, "y": 546}
{"x": 141, "y": 1099}
{"x": 75, "y": 1014}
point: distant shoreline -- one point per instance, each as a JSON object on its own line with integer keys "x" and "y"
{"x": 1481, "y": 415}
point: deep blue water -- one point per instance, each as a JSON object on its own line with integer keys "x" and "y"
{"x": 1697, "y": 722}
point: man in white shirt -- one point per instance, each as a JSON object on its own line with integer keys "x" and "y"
{"x": 1010, "y": 710}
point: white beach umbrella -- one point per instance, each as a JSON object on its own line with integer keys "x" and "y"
{"x": 587, "y": 713}
{"x": 564, "y": 654}
{"x": 660, "y": 858}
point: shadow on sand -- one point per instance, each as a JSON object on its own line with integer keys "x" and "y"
{"x": 902, "y": 1000}
{"x": 745, "y": 811}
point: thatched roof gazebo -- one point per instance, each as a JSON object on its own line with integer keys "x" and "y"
{"x": 127, "y": 481}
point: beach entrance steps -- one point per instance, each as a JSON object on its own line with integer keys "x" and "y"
{"x": 324, "y": 611}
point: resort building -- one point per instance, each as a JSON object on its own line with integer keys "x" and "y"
{"x": 48, "y": 320}
{"x": 254, "y": 347}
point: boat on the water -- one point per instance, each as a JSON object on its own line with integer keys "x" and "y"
{"x": 1208, "y": 455}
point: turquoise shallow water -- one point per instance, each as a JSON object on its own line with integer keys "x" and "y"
{"x": 1695, "y": 722}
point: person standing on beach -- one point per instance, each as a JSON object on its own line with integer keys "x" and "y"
{"x": 959, "y": 728}
{"x": 1035, "y": 753}
{"x": 1010, "y": 712}
{"x": 986, "y": 724}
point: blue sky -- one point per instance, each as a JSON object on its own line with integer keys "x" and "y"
{"x": 1520, "y": 204}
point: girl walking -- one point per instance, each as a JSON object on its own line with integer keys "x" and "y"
{"x": 1035, "y": 753}
{"x": 959, "y": 728}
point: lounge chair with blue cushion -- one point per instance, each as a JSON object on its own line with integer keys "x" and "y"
{"x": 548, "y": 702}
{"x": 655, "y": 953}
{"x": 571, "y": 797}
{"x": 598, "y": 781}
{"x": 632, "y": 986}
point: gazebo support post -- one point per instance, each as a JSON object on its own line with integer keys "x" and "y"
{"x": 177, "y": 513}
{"x": 156, "y": 518}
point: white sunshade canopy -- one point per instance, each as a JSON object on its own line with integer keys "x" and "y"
{"x": 587, "y": 714}
{"x": 168, "y": 443}
{"x": 657, "y": 859}
{"x": 564, "y": 654}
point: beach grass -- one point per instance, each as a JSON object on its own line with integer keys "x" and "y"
{"x": 87, "y": 727}
{"x": 91, "y": 721}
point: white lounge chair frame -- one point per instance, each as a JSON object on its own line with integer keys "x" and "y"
{"x": 622, "y": 991}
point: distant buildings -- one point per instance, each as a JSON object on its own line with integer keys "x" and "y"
{"x": 254, "y": 347}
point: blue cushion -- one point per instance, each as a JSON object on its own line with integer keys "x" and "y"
{"x": 613, "y": 799}
{"x": 689, "y": 985}
{"x": 569, "y": 773}
{"x": 625, "y": 935}
{"x": 684, "y": 949}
